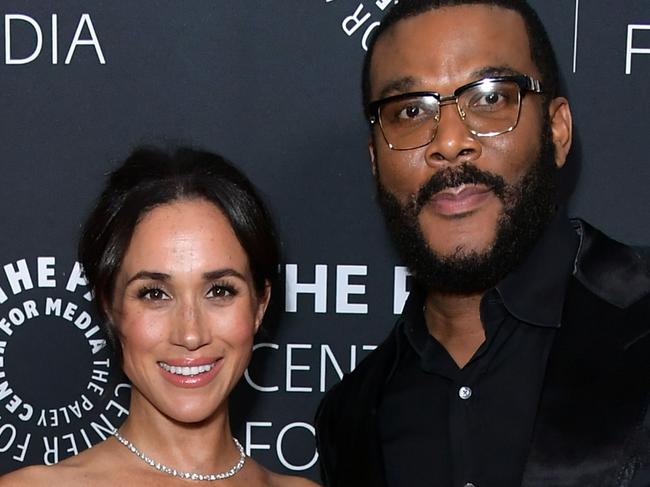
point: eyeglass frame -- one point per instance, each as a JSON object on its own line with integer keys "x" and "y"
{"x": 526, "y": 84}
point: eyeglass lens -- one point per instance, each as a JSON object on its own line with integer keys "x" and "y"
{"x": 488, "y": 109}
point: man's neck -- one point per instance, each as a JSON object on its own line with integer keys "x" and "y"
{"x": 455, "y": 321}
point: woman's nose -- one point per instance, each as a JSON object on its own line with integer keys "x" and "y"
{"x": 190, "y": 330}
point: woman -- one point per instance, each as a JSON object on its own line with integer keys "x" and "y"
{"x": 180, "y": 254}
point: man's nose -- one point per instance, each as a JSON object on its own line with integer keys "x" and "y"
{"x": 453, "y": 142}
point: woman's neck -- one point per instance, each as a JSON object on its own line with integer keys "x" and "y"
{"x": 203, "y": 447}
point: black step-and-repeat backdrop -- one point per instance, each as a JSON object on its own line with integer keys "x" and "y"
{"x": 273, "y": 85}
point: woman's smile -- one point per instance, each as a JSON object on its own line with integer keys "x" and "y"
{"x": 190, "y": 375}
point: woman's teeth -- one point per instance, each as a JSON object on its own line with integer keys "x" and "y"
{"x": 194, "y": 370}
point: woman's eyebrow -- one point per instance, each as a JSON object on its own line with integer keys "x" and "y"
{"x": 219, "y": 273}
{"x": 152, "y": 275}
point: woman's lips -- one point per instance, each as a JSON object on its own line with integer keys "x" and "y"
{"x": 459, "y": 200}
{"x": 191, "y": 372}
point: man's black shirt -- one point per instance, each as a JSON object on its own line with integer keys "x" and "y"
{"x": 443, "y": 426}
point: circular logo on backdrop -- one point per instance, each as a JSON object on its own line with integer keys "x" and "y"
{"x": 359, "y": 20}
{"x": 60, "y": 388}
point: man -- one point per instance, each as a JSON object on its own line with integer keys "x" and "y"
{"x": 523, "y": 352}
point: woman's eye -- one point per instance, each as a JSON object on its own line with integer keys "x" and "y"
{"x": 153, "y": 294}
{"x": 221, "y": 291}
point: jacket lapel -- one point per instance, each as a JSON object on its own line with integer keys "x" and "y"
{"x": 593, "y": 399}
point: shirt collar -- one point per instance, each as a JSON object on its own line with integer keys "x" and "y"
{"x": 534, "y": 291}
{"x": 412, "y": 321}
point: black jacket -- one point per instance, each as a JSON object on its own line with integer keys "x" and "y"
{"x": 592, "y": 427}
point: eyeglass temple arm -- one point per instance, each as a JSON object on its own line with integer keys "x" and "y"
{"x": 533, "y": 85}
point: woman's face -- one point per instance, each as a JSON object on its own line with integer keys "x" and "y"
{"x": 186, "y": 310}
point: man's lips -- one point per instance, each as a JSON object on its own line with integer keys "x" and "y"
{"x": 460, "y": 199}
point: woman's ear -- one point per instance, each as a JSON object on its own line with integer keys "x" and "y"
{"x": 262, "y": 304}
{"x": 106, "y": 308}
{"x": 110, "y": 308}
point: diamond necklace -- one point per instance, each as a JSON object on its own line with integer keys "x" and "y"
{"x": 178, "y": 473}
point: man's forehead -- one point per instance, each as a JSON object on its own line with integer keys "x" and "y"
{"x": 403, "y": 84}
{"x": 452, "y": 44}
{"x": 460, "y": 19}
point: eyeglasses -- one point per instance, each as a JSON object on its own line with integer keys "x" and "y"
{"x": 488, "y": 107}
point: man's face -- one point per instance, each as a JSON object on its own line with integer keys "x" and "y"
{"x": 464, "y": 194}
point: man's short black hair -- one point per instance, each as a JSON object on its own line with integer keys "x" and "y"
{"x": 540, "y": 45}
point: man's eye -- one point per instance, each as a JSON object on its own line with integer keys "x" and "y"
{"x": 411, "y": 111}
{"x": 492, "y": 100}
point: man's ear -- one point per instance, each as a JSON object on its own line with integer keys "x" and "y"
{"x": 263, "y": 303}
{"x": 559, "y": 113}
{"x": 373, "y": 155}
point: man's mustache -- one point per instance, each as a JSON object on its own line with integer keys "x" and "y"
{"x": 452, "y": 177}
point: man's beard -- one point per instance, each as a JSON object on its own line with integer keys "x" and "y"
{"x": 528, "y": 205}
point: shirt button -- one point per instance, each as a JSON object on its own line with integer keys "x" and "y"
{"x": 465, "y": 393}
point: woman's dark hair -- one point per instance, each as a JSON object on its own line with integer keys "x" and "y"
{"x": 541, "y": 49}
{"x": 151, "y": 177}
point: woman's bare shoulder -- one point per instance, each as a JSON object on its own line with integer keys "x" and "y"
{"x": 300, "y": 482}
{"x": 77, "y": 470}
{"x": 34, "y": 475}
{"x": 260, "y": 475}
{"x": 46, "y": 475}
{"x": 291, "y": 481}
